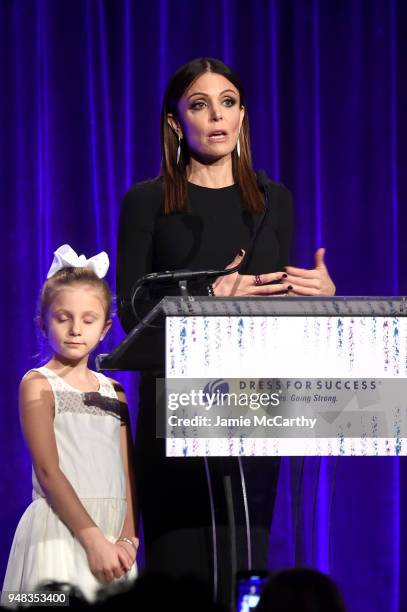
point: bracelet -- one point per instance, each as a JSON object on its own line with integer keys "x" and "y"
{"x": 210, "y": 290}
{"x": 124, "y": 539}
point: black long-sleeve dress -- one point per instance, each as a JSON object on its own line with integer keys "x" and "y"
{"x": 173, "y": 492}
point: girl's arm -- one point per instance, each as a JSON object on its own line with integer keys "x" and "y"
{"x": 130, "y": 525}
{"x": 36, "y": 404}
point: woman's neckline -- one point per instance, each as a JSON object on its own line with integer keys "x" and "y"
{"x": 71, "y": 386}
{"x": 195, "y": 186}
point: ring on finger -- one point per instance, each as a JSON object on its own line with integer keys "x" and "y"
{"x": 257, "y": 280}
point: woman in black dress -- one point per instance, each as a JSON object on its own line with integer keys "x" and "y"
{"x": 201, "y": 214}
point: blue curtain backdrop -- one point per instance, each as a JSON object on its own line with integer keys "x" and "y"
{"x": 81, "y": 83}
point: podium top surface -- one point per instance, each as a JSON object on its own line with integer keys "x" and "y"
{"x": 144, "y": 347}
{"x": 285, "y": 306}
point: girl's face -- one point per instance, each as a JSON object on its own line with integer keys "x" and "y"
{"x": 76, "y": 321}
{"x": 210, "y": 117}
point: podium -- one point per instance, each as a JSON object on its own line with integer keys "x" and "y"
{"x": 342, "y": 360}
{"x": 352, "y": 349}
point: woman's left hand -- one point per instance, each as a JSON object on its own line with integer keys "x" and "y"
{"x": 311, "y": 282}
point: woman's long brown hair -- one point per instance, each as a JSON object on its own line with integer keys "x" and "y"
{"x": 174, "y": 175}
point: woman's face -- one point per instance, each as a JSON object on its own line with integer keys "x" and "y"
{"x": 210, "y": 117}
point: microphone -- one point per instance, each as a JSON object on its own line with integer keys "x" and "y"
{"x": 204, "y": 275}
{"x": 180, "y": 275}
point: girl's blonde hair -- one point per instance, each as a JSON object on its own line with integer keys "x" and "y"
{"x": 68, "y": 277}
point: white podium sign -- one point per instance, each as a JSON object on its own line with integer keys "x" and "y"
{"x": 299, "y": 347}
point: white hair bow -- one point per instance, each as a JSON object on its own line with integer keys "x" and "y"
{"x": 65, "y": 257}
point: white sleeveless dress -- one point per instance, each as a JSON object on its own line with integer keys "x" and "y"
{"x": 87, "y": 432}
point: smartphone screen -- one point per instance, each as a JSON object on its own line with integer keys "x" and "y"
{"x": 249, "y": 585}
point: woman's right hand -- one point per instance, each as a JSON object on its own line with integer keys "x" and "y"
{"x": 107, "y": 561}
{"x": 245, "y": 284}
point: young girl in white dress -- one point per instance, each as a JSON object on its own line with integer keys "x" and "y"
{"x": 80, "y": 527}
